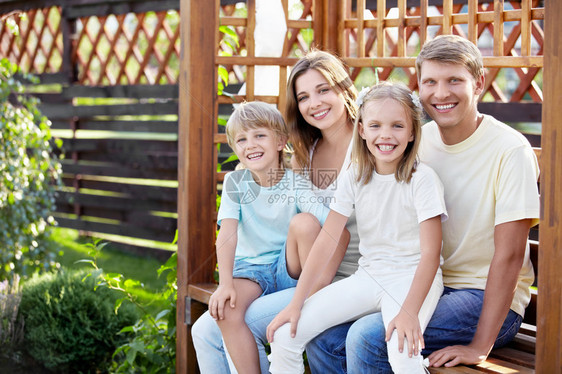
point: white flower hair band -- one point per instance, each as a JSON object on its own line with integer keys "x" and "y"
{"x": 361, "y": 95}
{"x": 415, "y": 100}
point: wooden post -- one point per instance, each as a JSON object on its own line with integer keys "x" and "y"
{"x": 196, "y": 164}
{"x": 68, "y": 30}
{"x": 549, "y": 309}
{"x": 330, "y": 18}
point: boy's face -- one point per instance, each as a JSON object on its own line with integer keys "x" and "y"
{"x": 449, "y": 94}
{"x": 258, "y": 149}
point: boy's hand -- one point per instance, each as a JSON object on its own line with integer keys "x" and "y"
{"x": 219, "y": 298}
{"x": 291, "y": 314}
{"x": 408, "y": 326}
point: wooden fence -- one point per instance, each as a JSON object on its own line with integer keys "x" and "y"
{"x": 109, "y": 72}
{"x": 109, "y": 84}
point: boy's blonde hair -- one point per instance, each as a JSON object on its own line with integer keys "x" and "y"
{"x": 452, "y": 49}
{"x": 303, "y": 135}
{"x": 364, "y": 160}
{"x": 253, "y": 115}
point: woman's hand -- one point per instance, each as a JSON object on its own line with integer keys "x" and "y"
{"x": 291, "y": 314}
{"x": 219, "y": 298}
{"x": 408, "y": 326}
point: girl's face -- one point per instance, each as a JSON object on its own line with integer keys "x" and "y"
{"x": 258, "y": 150}
{"x": 387, "y": 129}
{"x": 319, "y": 103}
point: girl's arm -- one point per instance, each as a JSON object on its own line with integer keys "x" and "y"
{"x": 226, "y": 249}
{"x": 324, "y": 247}
{"x": 406, "y": 321}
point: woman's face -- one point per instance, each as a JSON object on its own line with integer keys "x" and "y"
{"x": 319, "y": 103}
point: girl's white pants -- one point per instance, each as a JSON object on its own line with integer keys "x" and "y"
{"x": 348, "y": 300}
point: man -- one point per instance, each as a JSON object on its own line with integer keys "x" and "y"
{"x": 489, "y": 172}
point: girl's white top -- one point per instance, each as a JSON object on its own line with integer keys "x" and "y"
{"x": 389, "y": 214}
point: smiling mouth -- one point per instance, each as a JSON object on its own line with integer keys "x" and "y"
{"x": 254, "y": 156}
{"x": 444, "y": 106}
{"x": 320, "y": 114}
{"x": 386, "y": 147}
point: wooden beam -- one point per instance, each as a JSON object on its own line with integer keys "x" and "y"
{"x": 196, "y": 184}
{"x": 120, "y": 228}
{"x": 78, "y": 9}
{"x": 64, "y": 111}
{"x": 317, "y": 23}
{"x": 330, "y": 22}
{"x": 131, "y": 91}
{"x": 549, "y": 321}
{"x": 512, "y": 112}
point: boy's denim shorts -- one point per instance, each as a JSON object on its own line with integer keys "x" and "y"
{"x": 271, "y": 277}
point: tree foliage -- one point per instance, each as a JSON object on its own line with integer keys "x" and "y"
{"x": 28, "y": 175}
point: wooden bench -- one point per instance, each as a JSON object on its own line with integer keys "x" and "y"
{"x": 517, "y": 357}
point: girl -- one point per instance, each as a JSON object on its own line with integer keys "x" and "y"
{"x": 318, "y": 84}
{"x": 399, "y": 206}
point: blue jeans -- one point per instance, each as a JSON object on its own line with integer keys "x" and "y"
{"x": 270, "y": 277}
{"x": 453, "y": 322}
{"x": 207, "y": 337}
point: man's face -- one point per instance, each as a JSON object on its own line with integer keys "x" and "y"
{"x": 449, "y": 94}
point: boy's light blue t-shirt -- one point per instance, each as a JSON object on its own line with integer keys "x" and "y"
{"x": 264, "y": 213}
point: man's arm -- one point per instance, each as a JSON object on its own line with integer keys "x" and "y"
{"x": 510, "y": 240}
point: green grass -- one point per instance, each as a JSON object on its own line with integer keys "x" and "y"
{"x": 71, "y": 248}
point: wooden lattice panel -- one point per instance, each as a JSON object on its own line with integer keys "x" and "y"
{"x": 128, "y": 49}
{"x": 241, "y": 61}
{"x": 298, "y": 19}
{"x": 387, "y": 41}
{"x": 37, "y": 45}
{"x": 511, "y": 40}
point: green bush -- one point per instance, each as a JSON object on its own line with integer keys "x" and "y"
{"x": 152, "y": 347}
{"x": 28, "y": 175}
{"x": 71, "y": 325}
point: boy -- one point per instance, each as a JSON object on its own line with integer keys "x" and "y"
{"x": 256, "y": 252}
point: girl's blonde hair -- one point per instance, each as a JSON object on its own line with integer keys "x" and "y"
{"x": 303, "y": 135}
{"x": 253, "y": 115}
{"x": 362, "y": 157}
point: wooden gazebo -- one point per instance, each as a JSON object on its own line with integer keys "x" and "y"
{"x": 342, "y": 26}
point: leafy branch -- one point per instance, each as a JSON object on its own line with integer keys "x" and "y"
{"x": 152, "y": 346}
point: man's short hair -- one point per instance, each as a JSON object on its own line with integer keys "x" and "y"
{"x": 452, "y": 49}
